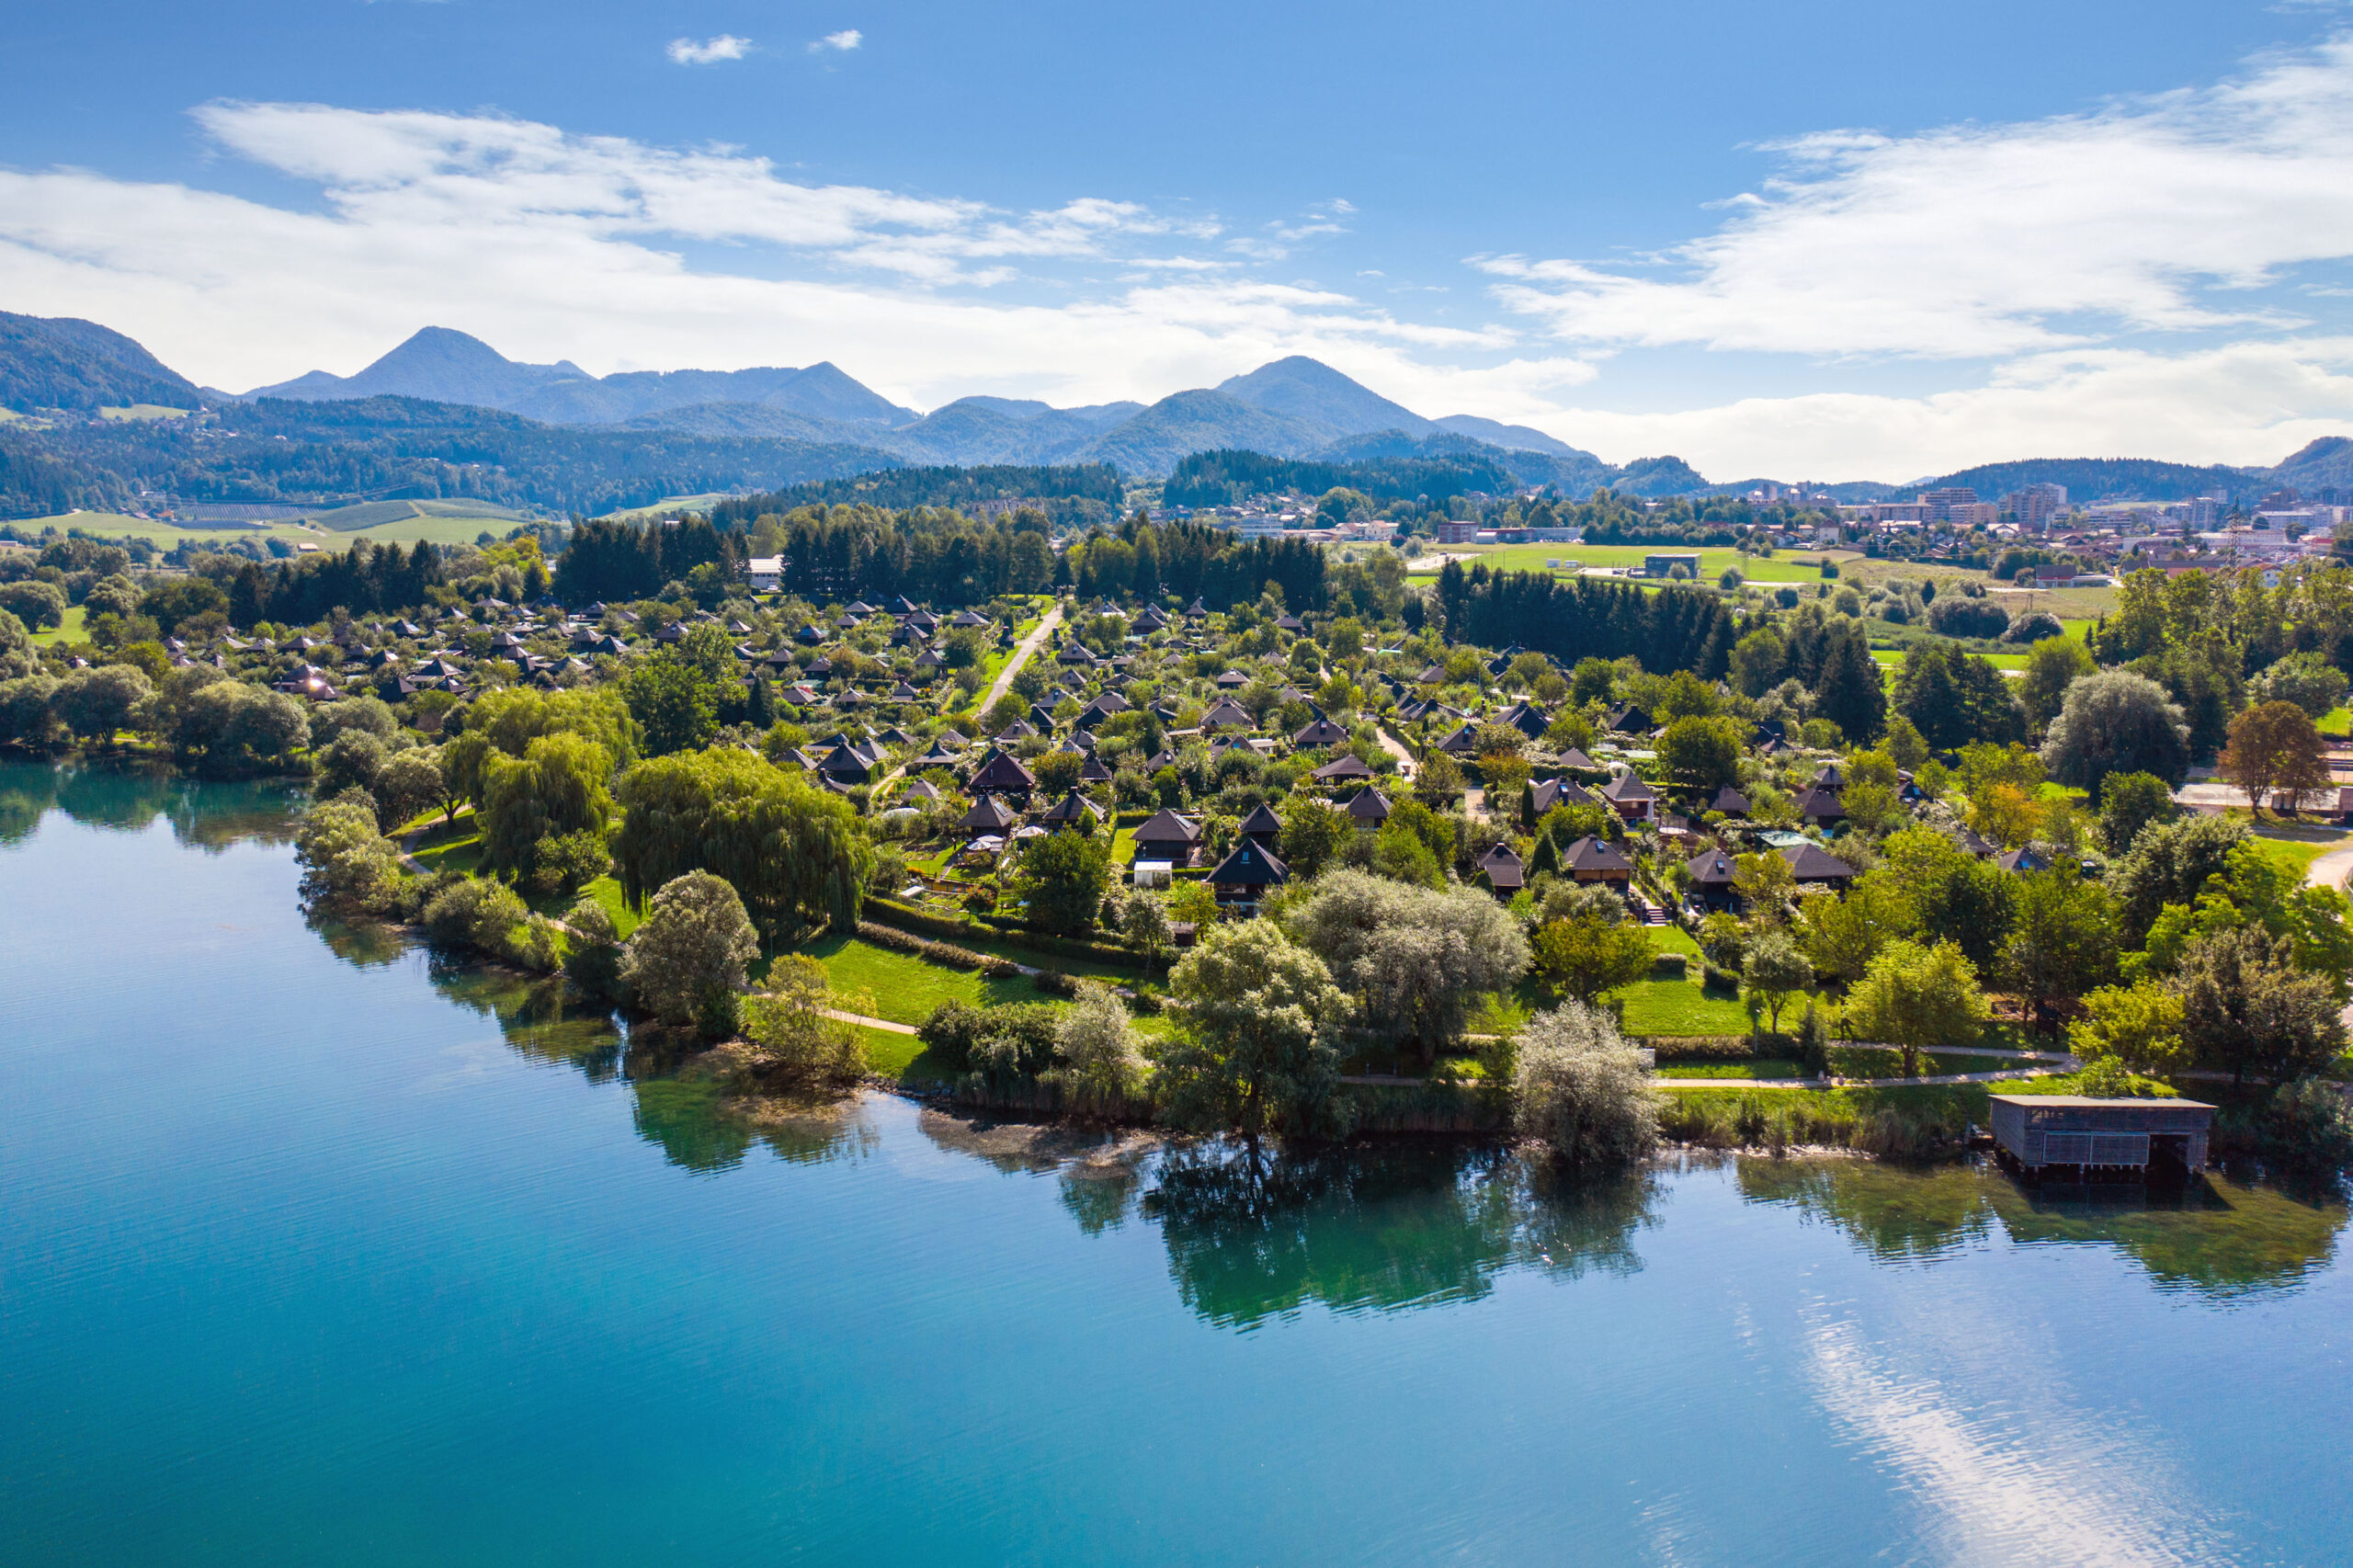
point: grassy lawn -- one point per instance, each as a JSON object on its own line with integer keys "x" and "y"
{"x": 2336, "y": 722}
{"x": 905, "y": 988}
{"x": 891, "y": 1054}
{"x": 1763, "y": 1067}
{"x": 451, "y": 846}
{"x": 71, "y": 631}
{"x": 2297, "y": 845}
{"x": 1680, "y": 1008}
{"x": 441, "y": 528}
{"x": 1782, "y": 568}
{"x": 607, "y": 892}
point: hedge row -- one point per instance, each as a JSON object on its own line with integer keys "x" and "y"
{"x": 907, "y": 917}
{"x": 1021, "y": 935}
{"x": 1718, "y": 1047}
{"x": 936, "y": 952}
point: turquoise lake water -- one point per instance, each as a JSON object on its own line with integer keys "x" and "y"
{"x": 316, "y": 1251}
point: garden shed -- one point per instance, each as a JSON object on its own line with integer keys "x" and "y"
{"x": 2034, "y": 1133}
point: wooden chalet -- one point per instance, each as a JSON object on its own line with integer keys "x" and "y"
{"x": 1812, "y": 865}
{"x": 1368, "y": 809}
{"x": 1242, "y": 878}
{"x": 1262, "y": 823}
{"x": 988, "y": 815}
{"x": 1711, "y": 874}
{"x": 1502, "y": 870}
{"x": 1630, "y": 797}
{"x": 1593, "y": 859}
{"x": 1001, "y": 773}
{"x": 1343, "y": 770}
{"x": 1165, "y": 835}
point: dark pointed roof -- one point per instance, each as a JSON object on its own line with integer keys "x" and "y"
{"x": 1820, "y": 804}
{"x": 988, "y": 815}
{"x": 1629, "y": 786}
{"x": 1711, "y": 868}
{"x": 1165, "y": 826}
{"x": 1369, "y": 805}
{"x": 1594, "y": 854}
{"x": 1252, "y": 864}
{"x": 1322, "y": 733}
{"x": 1730, "y": 801}
{"x": 1073, "y": 809}
{"x": 1261, "y": 822}
{"x": 1813, "y": 863}
{"x": 1342, "y": 768}
{"x": 1000, "y": 771}
{"x": 1505, "y": 872}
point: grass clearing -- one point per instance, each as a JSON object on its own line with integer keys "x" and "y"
{"x": 1773, "y": 569}
{"x": 2297, "y": 845}
{"x": 905, "y": 988}
{"x": 74, "y": 629}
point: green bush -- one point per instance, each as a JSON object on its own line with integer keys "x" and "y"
{"x": 1668, "y": 966}
{"x": 2306, "y": 1129}
{"x": 478, "y": 913}
{"x": 1718, "y": 982}
{"x": 922, "y": 946}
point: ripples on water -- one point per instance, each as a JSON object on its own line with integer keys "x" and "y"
{"x": 323, "y": 1249}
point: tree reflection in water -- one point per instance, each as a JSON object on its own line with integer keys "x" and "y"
{"x": 2217, "y": 1237}
{"x": 128, "y": 796}
{"x": 1254, "y": 1233}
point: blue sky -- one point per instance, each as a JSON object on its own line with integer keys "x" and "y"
{"x": 1823, "y": 241}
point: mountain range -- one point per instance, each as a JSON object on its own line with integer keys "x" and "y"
{"x": 1294, "y": 407}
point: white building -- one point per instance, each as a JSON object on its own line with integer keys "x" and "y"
{"x": 766, "y": 571}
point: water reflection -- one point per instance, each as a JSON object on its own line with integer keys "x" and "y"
{"x": 2217, "y": 1237}
{"x": 130, "y": 796}
{"x": 1254, "y": 1233}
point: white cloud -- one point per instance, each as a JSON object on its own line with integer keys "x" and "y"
{"x": 2156, "y": 213}
{"x": 842, "y": 41}
{"x": 549, "y": 246}
{"x": 710, "y": 51}
{"x": 2246, "y": 402}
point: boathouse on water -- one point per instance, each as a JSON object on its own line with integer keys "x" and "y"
{"x": 2037, "y": 1133}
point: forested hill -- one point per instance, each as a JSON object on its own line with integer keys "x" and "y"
{"x": 1224, "y": 478}
{"x": 899, "y": 489}
{"x": 2095, "y": 479}
{"x": 63, "y": 362}
{"x": 397, "y": 447}
{"x": 1392, "y": 466}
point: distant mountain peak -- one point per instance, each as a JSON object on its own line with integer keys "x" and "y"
{"x": 1303, "y": 389}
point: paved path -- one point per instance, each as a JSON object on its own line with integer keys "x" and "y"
{"x": 884, "y": 1024}
{"x": 1398, "y": 749}
{"x": 1028, "y": 645}
{"x": 1021, "y": 652}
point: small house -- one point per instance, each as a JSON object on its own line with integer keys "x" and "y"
{"x": 1711, "y": 876}
{"x": 1594, "y": 859}
{"x": 1165, "y": 835}
{"x": 1633, "y": 799}
{"x": 1502, "y": 870}
{"x": 1369, "y": 808}
{"x": 1812, "y": 865}
{"x": 1242, "y": 878}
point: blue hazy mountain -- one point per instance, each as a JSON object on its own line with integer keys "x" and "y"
{"x": 66, "y": 362}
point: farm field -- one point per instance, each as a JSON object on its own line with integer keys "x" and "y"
{"x": 440, "y": 527}
{"x": 669, "y": 502}
{"x": 1786, "y": 568}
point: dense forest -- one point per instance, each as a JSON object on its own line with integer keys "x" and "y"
{"x": 1227, "y": 478}
{"x": 1578, "y": 618}
{"x": 961, "y": 488}
{"x": 395, "y": 448}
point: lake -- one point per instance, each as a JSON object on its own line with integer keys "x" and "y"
{"x": 317, "y": 1251}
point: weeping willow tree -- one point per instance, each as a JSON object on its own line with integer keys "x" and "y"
{"x": 796, "y": 854}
